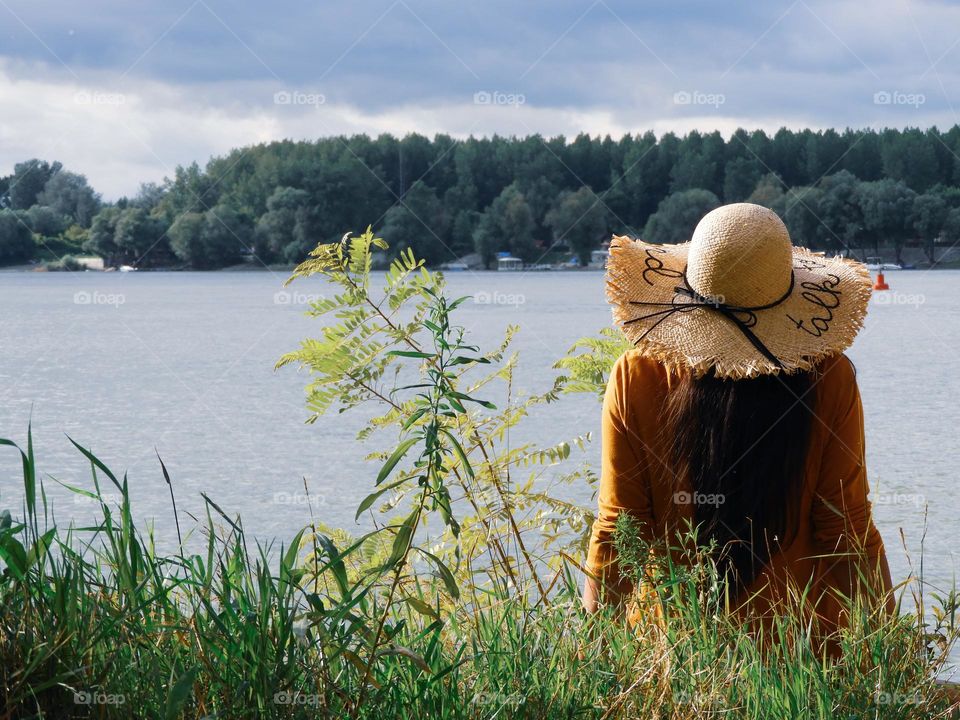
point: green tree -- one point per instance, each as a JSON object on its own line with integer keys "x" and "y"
{"x": 800, "y": 210}
{"x": 70, "y": 195}
{"x": 16, "y": 241}
{"x": 136, "y": 235}
{"x": 419, "y": 222}
{"x": 45, "y": 221}
{"x": 768, "y": 191}
{"x": 910, "y": 156}
{"x": 227, "y": 237}
{"x": 840, "y": 211}
{"x": 951, "y": 227}
{"x": 210, "y": 240}
{"x": 678, "y": 215}
{"x": 740, "y": 178}
{"x": 928, "y": 217}
{"x": 887, "y": 207}
{"x": 580, "y": 219}
{"x": 186, "y": 237}
{"x": 506, "y": 225}
{"x": 285, "y": 223}
{"x": 102, "y": 237}
{"x": 29, "y": 179}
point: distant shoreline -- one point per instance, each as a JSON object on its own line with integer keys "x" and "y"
{"x": 287, "y": 269}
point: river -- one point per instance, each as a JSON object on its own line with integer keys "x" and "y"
{"x": 128, "y": 364}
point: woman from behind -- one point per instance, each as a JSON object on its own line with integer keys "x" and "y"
{"x": 738, "y": 415}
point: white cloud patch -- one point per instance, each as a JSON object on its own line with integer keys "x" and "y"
{"x": 126, "y": 117}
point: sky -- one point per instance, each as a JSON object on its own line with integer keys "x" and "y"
{"x": 124, "y": 91}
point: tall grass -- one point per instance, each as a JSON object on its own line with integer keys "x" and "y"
{"x": 481, "y": 620}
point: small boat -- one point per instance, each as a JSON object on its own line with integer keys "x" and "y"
{"x": 455, "y": 267}
{"x": 877, "y": 265}
{"x": 127, "y": 268}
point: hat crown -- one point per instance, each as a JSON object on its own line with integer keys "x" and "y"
{"x": 741, "y": 254}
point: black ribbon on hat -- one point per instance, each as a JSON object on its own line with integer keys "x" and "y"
{"x": 742, "y": 316}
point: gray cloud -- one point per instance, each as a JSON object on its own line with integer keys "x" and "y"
{"x": 202, "y": 73}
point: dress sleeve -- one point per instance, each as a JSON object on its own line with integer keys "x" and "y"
{"x": 623, "y": 483}
{"x": 842, "y": 519}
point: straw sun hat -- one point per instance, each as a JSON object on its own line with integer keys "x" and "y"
{"x": 738, "y": 298}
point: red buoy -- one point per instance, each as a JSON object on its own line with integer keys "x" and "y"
{"x": 880, "y": 284}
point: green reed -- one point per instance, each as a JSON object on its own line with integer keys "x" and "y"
{"x": 475, "y": 616}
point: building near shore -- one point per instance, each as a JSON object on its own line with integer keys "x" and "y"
{"x": 509, "y": 263}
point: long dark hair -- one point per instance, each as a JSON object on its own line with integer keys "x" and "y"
{"x": 741, "y": 445}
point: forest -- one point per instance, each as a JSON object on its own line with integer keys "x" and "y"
{"x": 534, "y": 197}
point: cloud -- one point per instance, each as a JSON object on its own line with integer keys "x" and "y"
{"x": 126, "y": 92}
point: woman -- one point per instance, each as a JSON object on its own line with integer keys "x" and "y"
{"x": 738, "y": 414}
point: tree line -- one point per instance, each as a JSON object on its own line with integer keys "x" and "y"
{"x": 533, "y": 197}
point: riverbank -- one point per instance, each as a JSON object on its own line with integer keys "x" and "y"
{"x": 456, "y": 595}
{"x": 96, "y": 622}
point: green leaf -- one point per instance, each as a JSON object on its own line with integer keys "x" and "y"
{"x": 414, "y": 417}
{"x": 13, "y": 554}
{"x": 370, "y": 499}
{"x": 444, "y": 573}
{"x": 290, "y": 557}
{"x": 411, "y": 354}
{"x": 407, "y": 653}
{"x": 421, "y": 607}
{"x": 336, "y": 564}
{"x": 96, "y": 461}
{"x": 484, "y": 403}
{"x": 178, "y": 694}
{"x": 458, "y": 449}
{"x": 40, "y": 547}
{"x": 402, "y": 539}
{"x": 395, "y": 458}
